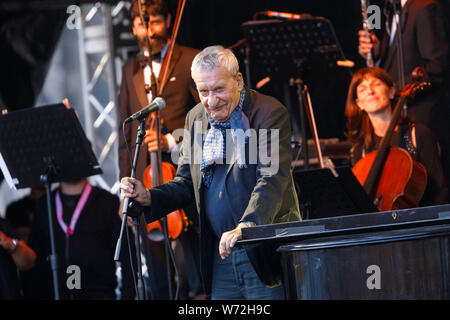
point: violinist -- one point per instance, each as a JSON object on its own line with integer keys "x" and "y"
{"x": 178, "y": 94}
{"x": 369, "y": 111}
{"x": 180, "y": 97}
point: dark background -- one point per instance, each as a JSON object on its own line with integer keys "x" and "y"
{"x": 29, "y": 31}
{"x": 219, "y": 22}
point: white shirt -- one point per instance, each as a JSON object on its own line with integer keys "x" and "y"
{"x": 156, "y": 66}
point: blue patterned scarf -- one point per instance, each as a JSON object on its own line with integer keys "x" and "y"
{"x": 214, "y": 147}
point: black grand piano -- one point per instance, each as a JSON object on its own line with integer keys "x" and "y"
{"x": 401, "y": 254}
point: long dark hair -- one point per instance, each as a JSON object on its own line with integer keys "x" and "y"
{"x": 359, "y": 128}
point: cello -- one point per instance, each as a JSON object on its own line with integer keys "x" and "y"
{"x": 390, "y": 176}
{"x": 159, "y": 172}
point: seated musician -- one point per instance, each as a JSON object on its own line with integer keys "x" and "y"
{"x": 230, "y": 195}
{"x": 369, "y": 110}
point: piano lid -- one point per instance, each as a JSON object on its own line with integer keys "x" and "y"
{"x": 357, "y": 223}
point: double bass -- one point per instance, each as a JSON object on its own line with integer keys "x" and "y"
{"x": 390, "y": 176}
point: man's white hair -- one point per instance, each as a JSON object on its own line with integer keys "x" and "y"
{"x": 213, "y": 57}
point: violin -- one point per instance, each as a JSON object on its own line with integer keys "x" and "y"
{"x": 390, "y": 176}
{"x": 159, "y": 172}
{"x": 177, "y": 221}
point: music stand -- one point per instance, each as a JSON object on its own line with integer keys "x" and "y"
{"x": 288, "y": 48}
{"x": 322, "y": 195}
{"x": 294, "y": 49}
{"x": 40, "y": 146}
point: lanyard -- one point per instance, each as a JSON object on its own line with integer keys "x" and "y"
{"x": 68, "y": 230}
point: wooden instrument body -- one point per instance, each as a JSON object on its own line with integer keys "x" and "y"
{"x": 177, "y": 221}
{"x": 159, "y": 172}
{"x": 402, "y": 181}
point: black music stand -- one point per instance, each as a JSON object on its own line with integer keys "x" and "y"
{"x": 291, "y": 48}
{"x": 294, "y": 50}
{"x": 43, "y": 145}
{"x": 322, "y": 195}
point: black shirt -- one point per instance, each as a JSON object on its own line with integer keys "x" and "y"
{"x": 20, "y": 213}
{"x": 91, "y": 248}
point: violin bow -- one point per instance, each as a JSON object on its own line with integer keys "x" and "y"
{"x": 166, "y": 63}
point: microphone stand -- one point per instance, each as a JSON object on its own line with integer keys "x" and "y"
{"x": 401, "y": 69}
{"x": 302, "y": 110}
{"x": 46, "y": 180}
{"x": 128, "y": 203}
{"x": 246, "y": 50}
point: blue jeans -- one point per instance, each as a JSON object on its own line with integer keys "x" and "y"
{"x": 234, "y": 278}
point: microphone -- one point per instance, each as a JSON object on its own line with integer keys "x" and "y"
{"x": 157, "y": 104}
{"x": 284, "y": 15}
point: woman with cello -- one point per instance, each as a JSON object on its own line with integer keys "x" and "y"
{"x": 370, "y": 111}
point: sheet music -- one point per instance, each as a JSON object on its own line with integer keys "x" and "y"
{"x": 10, "y": 180}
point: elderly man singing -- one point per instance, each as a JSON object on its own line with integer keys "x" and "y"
{"x": 235, "y": 164}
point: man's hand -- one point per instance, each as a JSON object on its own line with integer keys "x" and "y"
{"x": 152, "y": 143}
{"x": 6, "y": 242}
{"x": 135, "y": 189}
{"x": 367, "y": 44}
{"x": 24, "y": 257}
{"x": 130, "y": 214}
{"x": 228, "y": 240}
